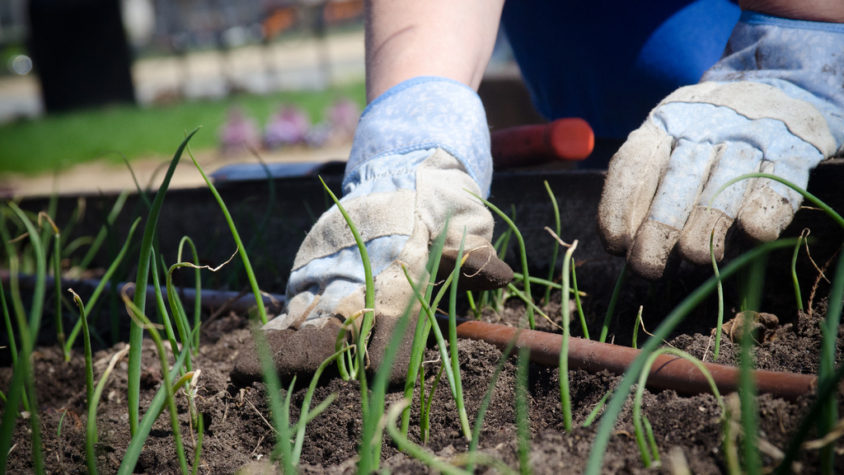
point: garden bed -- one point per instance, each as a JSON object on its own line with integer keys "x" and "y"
{"x": 237, "y": 421}
{"x": 238, "y": 431}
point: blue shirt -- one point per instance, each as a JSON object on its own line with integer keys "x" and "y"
{"x": 609, "y": 61}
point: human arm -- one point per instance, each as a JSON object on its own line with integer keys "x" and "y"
{"x": 407, "y": 39}
{"x": 831, "y": 11}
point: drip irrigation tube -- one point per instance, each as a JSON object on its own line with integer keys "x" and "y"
{"x": 668, "y": 372}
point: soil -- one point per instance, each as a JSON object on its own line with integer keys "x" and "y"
{"x": 239, "y": 435}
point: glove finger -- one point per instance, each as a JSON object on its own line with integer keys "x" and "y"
{"x": 770, "y": 206}
{"x": 679, "y": 191}
{"x": 632, "y": 180}
{"x": 482, "y": 269}
{"x": 296, "y": 312}
{"x": 704, "y": 223}
{"x": 713, "y": 214}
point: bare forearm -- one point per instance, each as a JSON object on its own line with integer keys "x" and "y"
{"x": 813, "y": 10}
{"x": 444, "y": 38}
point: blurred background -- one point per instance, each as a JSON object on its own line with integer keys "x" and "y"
{"x": 86, "y": 85}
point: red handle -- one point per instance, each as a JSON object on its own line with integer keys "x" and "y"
{"x": 562, "y": 139}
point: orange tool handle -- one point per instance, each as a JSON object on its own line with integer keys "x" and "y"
{"x": 562, "y": 139}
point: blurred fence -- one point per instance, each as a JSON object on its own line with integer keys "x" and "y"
{"x": 180, "y": 48}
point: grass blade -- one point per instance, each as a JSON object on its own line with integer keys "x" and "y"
{"x": 522, "y": 255}
{"x": 370, "y": 447}
{"x": 136, "y": 333}
{"x": 136, "y": 445}
{"x": 161, "y": 307}
{"x": 720, "y": 322}
{"x": 596, "y": 410}
{"x": 616, "y": 291}
{"x": 747, "y": 385}
{"x": 197, "y": 283}
{"x": 638, "y": 322}
{"x": 136, "y": 314}
{"x": 530, "y": 304}
{"x": 797, "y": 295}
{"x": 826, "y": 389}
{"x": 812, "y": 198}
{"x": 119, "y": 202}
{"x": 452, "y": 343}
{"x": 581, "y": 316}
{"x": 415, "y": 451}
{"x": 306, "y": 405}
{"x": 371, "y": 440}
{"x": 829, "y": 415}
{"x": 479, "y": 419}
{"x": 247, "y": 265}
{"x": 57, "y": 280}
{"x": 35, "y": 311}
{"x": 7, "y": 319}
{"x": 369, "y": 296}
{"x": 639, "y": 419}
{"x": 565, "y": 396}
{"x": 423, "y": 328}
{"x": 522, "y": 415}
{"x": 441, "y": 343}
{"x": 86, "y": 339}
{"x": 91, "y": 425}
{"x": 177, "y": 310}
{"x": 28, "y": 332}
{"x": 106, "y": 278}
{"x": 271, "y": 381}
{"x": 553, "y": 264}
{"x": 283, "y": 449}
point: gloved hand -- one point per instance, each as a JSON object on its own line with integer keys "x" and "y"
{"x": 773, "y": 104}
{"x": 411, "y": 169}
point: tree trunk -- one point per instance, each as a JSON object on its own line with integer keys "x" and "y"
{"x": 80, "y": 53}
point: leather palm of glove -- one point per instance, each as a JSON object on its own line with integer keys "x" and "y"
{"x": 773, "y": 104}
{"x": 400, "y": 203}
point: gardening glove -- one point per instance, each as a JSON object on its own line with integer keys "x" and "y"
{"x": 420, "y": 151}
{"x": 774, "y": 103}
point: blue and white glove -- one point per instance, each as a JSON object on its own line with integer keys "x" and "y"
{"x": 774, "y": 103}
{"x": 419, "y": 150}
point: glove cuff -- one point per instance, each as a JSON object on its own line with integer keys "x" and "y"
{"x": 801, "y": 58}
{"x": 755, "y": 18}
{"x": 421, "y": 114}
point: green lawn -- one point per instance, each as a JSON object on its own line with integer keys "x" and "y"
{"x": 55, "y": 142}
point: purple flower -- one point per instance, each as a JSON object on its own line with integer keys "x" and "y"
{"x": 238, "y": 132}
{"x": 288, "y": 126}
